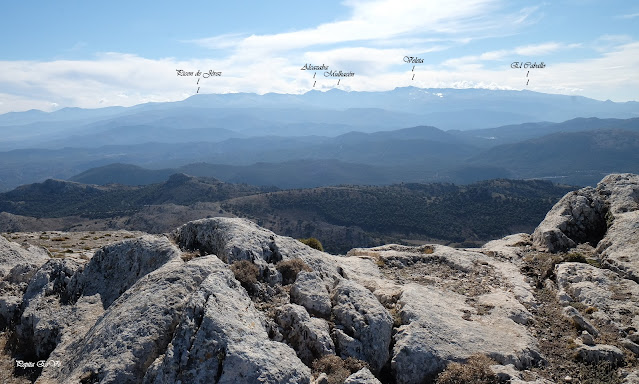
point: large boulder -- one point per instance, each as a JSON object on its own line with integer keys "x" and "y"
{"x": 221, "y": 338}
{"x": 183, "y": 321}
{"x": 18, "y": 264}
{"x": 579, "y": 217}
{"x": 619, "y": 247}
{"x": 363, "y": 326}
{"x": 606, "y": 217}
{"x": 612, "y": 299}
{"x": 309, "y": 336}
{"x": 441, "y": 326}
{"x": 235, "y": 239}
{"x": 309, "y": 291}
{"x": 115, "y": 268}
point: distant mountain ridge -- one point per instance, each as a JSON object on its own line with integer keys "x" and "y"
{"x": 418, "y": 154}
{"x": 353, "y": 137}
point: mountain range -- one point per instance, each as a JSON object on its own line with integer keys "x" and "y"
{"x": 328, "y": 138}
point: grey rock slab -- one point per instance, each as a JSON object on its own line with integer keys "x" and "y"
{"x": 17, "y": 266}
{"x": 310, "y": 291}
{"x": 134, "y": 330}
{"x": 439, "y": 327}
{"x": 595, "y": 354}
{"x": 615, "y": 300}
{"x": 221, "y": 339}
{"x": 363, "y": 325}
{"x": 234, "y": 239}
{"x": 310, "y": 337}
{"x": 363, "y": 376}
{"x": 579, "y": 217}
{"x": 116, "y": 267}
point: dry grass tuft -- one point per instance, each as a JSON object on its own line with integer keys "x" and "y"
{"x": 337, "y": 369}
{"x": 475, "y": 371}
{"x": 290, "y": 268}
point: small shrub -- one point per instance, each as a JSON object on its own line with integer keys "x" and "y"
{"x": 290, "y": 268}
{"x": 575, "y": 257}
{"x": 591, "y": 310}
{"x": 337, "y": 369}
{"x": 313, "y": 243}
{"x": 475, "y": 371}
{"x": 188, "y": 256}
{"x": 246, "y": 273}
{"x": 428, "y": 250}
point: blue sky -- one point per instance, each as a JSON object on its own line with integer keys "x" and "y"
{"x": 93, "y": 54}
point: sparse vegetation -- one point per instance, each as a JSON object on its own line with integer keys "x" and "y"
{"x": 336, "y": 368}
{"x": 474, "y": 371}
{"x": 246, "y": 273}
{"x": 290, "y": 268}
{"x": 313, "y": 243}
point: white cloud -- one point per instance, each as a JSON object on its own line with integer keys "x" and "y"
{"x": 371, "y": 42}
{"x": 629, "y": 16}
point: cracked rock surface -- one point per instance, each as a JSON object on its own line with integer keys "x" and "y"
{"x": 226, "y": 301}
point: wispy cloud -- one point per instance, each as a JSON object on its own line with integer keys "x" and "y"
{"x": 370, "y": 40}
{"x": 628, "y": 16}
{"x": 504, "y": 54}
{"x": 379, "y": 22}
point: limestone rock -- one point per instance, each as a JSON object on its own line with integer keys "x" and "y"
{"x": 605, "y": 217}
{"x": 579, "y": 217}
{"x": 573, "y": 314}
{"x": 44, "y": 318}
{"x": 221, "y": 338}
{"x": 595, "y": 354}
{"x": 17, "y": 266}
{"x": 165, "y": 327}
{"x": 612, "y": 299}
{"x": 363, "y": 376}
{"x": 309, "y": 291}
{"x": 619, "y": 247}
{"x": 363, "y": 325}
{"x": 233, "y": 239}
{"x": 12, "y": 254}
{"x": 115, "y": 268}
{"x": 439, "y": 328}
{"x": 310, "y": 337}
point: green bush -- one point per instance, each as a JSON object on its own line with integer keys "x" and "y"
{"x": 313, "y": 243}
{"x": 575, "y": 257}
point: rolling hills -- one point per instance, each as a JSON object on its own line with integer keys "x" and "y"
{"x": 342, "y": 217}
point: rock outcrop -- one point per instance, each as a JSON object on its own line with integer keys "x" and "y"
{"x": 17, "y": 266}
{"x": 253, "y": 306}
{"x": 605, "y": 217}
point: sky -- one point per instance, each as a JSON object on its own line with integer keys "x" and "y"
{"x": 91, "y": 54}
